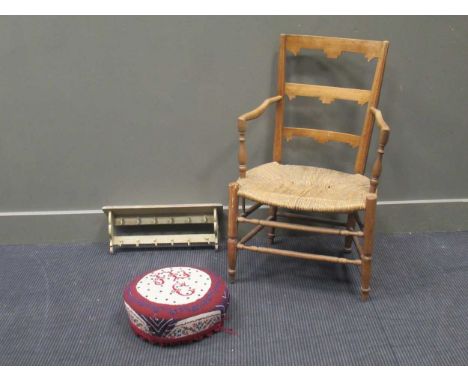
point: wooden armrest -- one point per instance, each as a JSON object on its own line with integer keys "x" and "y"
{"x": 383, "y": 139}
{"x": 255, "y": 113}
{"x": 379, "y": 118}
{"x": 241, "y": 126}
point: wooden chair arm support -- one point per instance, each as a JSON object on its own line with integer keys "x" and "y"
{"x": 257, "y": 112}
{"x": 383, "y": 139}
{"x": 379, "y": 118}
{"x": 242, "y": 125}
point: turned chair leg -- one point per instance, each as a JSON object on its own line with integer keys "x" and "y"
{"x": 366, "y": 267}
{"x": 232, "y": 230}
{"x": 271, "y": 233}
{"x": 351, "y": 222}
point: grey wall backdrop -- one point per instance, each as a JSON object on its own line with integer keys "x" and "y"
{"x": 135, "y": 110}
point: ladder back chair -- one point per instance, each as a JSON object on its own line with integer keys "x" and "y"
{"x": 307, "y": 188}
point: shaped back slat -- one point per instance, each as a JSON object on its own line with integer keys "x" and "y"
{"x": 322, "y": 136}
{"x": 327, "y": 94}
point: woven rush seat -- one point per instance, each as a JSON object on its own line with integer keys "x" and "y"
{"x": 305, "y": 188}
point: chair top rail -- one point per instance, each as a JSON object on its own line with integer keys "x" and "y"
{"x": 333, "y": 47}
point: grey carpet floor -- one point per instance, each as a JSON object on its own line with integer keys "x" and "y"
{"x": 62, "y": 305}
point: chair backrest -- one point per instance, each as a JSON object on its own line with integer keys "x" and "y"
{"x": 332, "y": 47}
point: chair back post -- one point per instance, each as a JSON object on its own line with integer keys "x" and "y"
{"x": 366, "y": 135}
{"x": 279, "y": 115}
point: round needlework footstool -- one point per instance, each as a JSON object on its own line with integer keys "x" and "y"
{"x": 176, "y": 305}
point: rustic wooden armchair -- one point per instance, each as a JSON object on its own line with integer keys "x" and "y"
{"x": 307, "y": 188}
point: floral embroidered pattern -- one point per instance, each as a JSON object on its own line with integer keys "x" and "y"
{"x": 174, "y": 286}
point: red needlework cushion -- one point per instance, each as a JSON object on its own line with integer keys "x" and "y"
{"x": 176, "y": 304}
